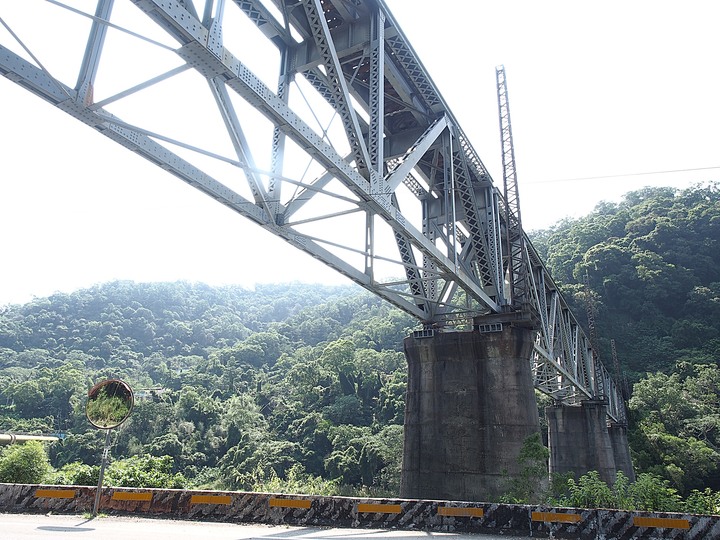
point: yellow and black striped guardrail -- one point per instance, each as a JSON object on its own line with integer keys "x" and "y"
{"x": 449, "y": 516}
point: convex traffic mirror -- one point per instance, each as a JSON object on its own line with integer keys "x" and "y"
{"x": 109, "y": 403}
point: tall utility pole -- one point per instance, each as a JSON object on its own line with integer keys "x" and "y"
{"x": 514, "y": 257}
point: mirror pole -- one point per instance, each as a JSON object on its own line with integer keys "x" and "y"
{"x": 103, "y": 464}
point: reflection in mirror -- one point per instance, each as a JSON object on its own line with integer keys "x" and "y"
{"x": 109, "y": 403}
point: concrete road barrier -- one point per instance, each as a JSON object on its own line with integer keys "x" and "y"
{"x": 300, "y": 510}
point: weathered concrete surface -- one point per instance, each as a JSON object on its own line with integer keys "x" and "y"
{"x": 419, "y": 515}
{"x": 470, "y": 405}
{"x": 579, "y": 440}
{"x": 621, "y": 450}
{"x": 271, "y": 509}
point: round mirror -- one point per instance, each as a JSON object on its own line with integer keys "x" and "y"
{"x": 109, "y": 403}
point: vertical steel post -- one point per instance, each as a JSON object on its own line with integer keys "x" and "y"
{"x": 103, "y": 464}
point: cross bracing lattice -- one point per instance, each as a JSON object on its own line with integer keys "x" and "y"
{"x": 315, "y": 120}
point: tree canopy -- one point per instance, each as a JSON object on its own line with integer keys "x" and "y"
{"x": 294, "y": 384}
{"x": 653, "y": 262}
{"x": 234, "y": 387}
{"x": 652, "y": 267}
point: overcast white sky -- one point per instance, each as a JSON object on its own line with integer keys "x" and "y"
{"x": 597, "y": 89}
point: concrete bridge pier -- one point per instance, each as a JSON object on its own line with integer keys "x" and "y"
{"x": 621, "y": 449}
{"x": 470, "y": 405}
{"x": 579, "y": 440}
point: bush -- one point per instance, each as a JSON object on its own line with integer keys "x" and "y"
{"x": 652, "y": 493}
{"x": 590, "y": 491}
{"x": 649, "y": 493}
{"x": 296, "y": 481}
{"x": 76, "y": 474}
{"x": 24, "y": 463}
{"x": 703, "y": 502}
{"x": 530, "y": 486}
{"x": 144, "y": 471}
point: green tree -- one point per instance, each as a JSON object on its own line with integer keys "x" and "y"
{"x": 144, "y": 471}
{"x": 703, "y": 502}
{"x": 26, "y": 396}
{"x": 648, "y": 493}
{"x": 647, "y": 257}
{"x": 76, "y": 474}
{"x": 675, "y": 431}
{"x": 589, "y": 491}
{"x": 24, "y": 463}
{"x": 531, "y": 484}
{"x": 85, "y": 447}
{"x": 653, "y": 494}
{"x": 297, "y": 481}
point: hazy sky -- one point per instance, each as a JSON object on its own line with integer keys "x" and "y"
{"x": 597, "y": 90}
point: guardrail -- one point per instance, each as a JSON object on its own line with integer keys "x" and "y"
{"x": 306, "y": 510}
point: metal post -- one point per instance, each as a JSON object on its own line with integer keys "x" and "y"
{"x": 103, "y": 464}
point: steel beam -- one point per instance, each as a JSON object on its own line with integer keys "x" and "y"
{"x": 331, "y": 191}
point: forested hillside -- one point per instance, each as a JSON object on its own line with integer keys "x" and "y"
{"x": 301, "y": 387}
{"x": 236, "y": 386}
{"x": 652, "y": 264}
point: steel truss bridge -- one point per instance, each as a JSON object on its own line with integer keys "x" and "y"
{"x": 320, "y": 125}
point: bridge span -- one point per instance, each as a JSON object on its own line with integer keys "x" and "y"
{"x": 316, "y": 120}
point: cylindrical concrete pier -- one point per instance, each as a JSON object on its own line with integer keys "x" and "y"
{"x": 470, "y": 405}
{"x": 579, "y": 440}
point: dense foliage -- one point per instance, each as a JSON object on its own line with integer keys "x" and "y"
{"x": 652, "y": 264}
{"x": 239, "y": 388}
{"x": 24, "y": 463}
{"x": 301, "y": 387}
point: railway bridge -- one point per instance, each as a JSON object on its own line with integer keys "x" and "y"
{"x": 316, "y": 120}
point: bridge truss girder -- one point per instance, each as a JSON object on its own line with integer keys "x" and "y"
{"x": 351, "y": 128}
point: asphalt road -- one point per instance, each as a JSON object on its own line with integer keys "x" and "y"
{"x": 40, "y": 526}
